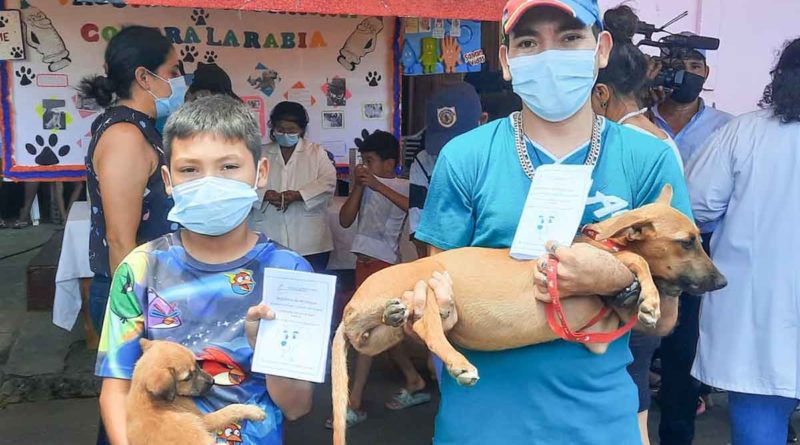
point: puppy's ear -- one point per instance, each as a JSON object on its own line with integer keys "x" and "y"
{"x": 161, "y": 384}
{"x": 145, "y": 344}
{"x": 666, "y": 195}
{"x": 630, "y": 226}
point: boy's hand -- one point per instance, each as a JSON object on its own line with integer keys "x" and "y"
{"x": 251, "y": 321}
{"x": 365, "y": 177}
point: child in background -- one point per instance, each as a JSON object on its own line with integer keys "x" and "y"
{"x": 380, "y": 201}
{"x": 201, "y": 286}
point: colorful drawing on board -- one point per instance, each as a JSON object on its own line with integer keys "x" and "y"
{"x": 431, "y": 52}
{"x": 264, "y": 79}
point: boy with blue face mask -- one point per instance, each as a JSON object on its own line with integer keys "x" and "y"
{"x": 201, "y": 286}
{"x": 557, "y": 392}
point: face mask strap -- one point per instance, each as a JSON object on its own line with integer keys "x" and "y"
{"x": 163, "y": 80}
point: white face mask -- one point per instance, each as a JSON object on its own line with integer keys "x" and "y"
{"x": 554, "y": 84}
{"x": 212, "y": 205}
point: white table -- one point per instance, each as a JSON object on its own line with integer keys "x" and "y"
{"x": 73, "y": 265}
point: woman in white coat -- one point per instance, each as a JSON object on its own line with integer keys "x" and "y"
{"x": 300, "y": 186}
{"x": 747, "y": 178}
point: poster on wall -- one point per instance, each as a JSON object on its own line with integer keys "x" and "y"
{"x": 332, "y": 65}
{"x": 11, "y": 46}
{"x": 435, "y": 46}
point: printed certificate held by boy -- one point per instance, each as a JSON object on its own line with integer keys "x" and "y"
{"x": 295, "y": 343}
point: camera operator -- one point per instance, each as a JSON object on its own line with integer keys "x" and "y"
{"x": 686, "y": 118}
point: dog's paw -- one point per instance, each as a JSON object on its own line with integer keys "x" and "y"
{"x": 254, "y": 413}
{"x": 395, "y": 313}
{"x": 649, "y": 308}
{"x": 464, "y": 377}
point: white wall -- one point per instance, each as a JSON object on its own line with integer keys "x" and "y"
{"x": 752, "y": 33}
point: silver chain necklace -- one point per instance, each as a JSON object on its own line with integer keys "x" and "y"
{"x": 522, "y": 151}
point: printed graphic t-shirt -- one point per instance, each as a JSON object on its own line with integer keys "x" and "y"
{"x": 556, "y": 392}
{"x": 159, "y": 292}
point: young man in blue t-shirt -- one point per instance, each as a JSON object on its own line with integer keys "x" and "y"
{"x": 557, "y": 392}
{"x": 202, "y": 286}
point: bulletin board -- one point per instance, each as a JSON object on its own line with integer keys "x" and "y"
{"x": 341, "y": 68}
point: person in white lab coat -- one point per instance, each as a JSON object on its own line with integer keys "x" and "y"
{"x": 746, "y": 177}
{"x": 300, "y": 187}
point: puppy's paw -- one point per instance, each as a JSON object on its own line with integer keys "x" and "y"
{"x": 464, "y": 377}
{"x": 395, "y": 313}
{"x": 250, "y": 412}
{"x": 255, "y": 414}
{"x": 649, "y": 308}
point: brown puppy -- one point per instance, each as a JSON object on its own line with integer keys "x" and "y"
{"x": 159, "y": 405}
{"x": 496, "y": 302}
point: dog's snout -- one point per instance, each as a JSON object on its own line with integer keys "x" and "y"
{"x": 719, "y": 281}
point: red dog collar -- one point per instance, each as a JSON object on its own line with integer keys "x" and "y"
{"x": 611, "y": 245}
{"x": 555, "y": 311}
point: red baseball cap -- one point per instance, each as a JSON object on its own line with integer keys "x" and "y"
{"x": 586, "y": 11}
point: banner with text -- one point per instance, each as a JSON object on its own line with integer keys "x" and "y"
{"x": 340, "y": 68}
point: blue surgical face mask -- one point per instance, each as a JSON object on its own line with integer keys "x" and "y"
{"x": 554, "y": 84}
{"x": 287, "y": 139}
{"x": 211, "y": 205}
{"x": 168, "y": 105}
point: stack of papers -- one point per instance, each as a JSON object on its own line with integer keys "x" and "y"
{"x": 553, "y": 209}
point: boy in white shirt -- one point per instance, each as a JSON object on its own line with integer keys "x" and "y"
{"x": 380, "y": 201}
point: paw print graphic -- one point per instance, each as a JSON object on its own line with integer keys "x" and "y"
{"x": 200, "y": 17}
{"x": 3, "y": 22}
{"x": 16, "y": 52}
{"x": 373, "y": 78}
{"x": 211, "y": 57}
{"x": 189, "y": 54}
{"x": 44, "y": 151}
{"x": 25, "y": 75}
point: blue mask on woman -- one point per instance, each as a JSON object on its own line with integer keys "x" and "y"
{"x": 168, "y": 105}
{"x": 211, "y": 205}
{"x": 287, "y": 139}
{"x": 554, "y": 84}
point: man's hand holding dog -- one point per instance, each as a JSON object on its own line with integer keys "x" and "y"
{"x": 442, "y": 286}
{"x": 582, "y": 270}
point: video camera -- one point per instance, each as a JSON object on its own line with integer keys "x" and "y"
{"x": 673, "y": 47}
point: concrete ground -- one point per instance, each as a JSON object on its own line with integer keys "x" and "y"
{"x": 74, "y": 421}
{"x": 41, "y": 361}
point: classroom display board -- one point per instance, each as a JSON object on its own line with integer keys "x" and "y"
{"x": 341, "y": 68}
{"x": 435, "y": 46}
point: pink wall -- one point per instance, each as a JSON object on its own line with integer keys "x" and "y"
{"x": 751, "y": 32}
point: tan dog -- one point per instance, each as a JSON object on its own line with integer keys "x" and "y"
{"x": 495, "y": 296}
{"x": 159, "y": 405}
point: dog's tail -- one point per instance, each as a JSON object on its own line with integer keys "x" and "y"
{"x": 340, "y": 385}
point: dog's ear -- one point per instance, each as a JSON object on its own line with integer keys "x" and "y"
{"x": 145, "y": 344}
{"x": 161, "y": 384}
{"x": 631, "y": 226}
{"x": 666, "y": 195}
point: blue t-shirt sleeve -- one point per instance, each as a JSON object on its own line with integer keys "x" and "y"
{"x": 448, "y": 221}
{"x": 659, "y": 171}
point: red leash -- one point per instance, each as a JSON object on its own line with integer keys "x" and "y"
{"x": 555, "y": 311}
